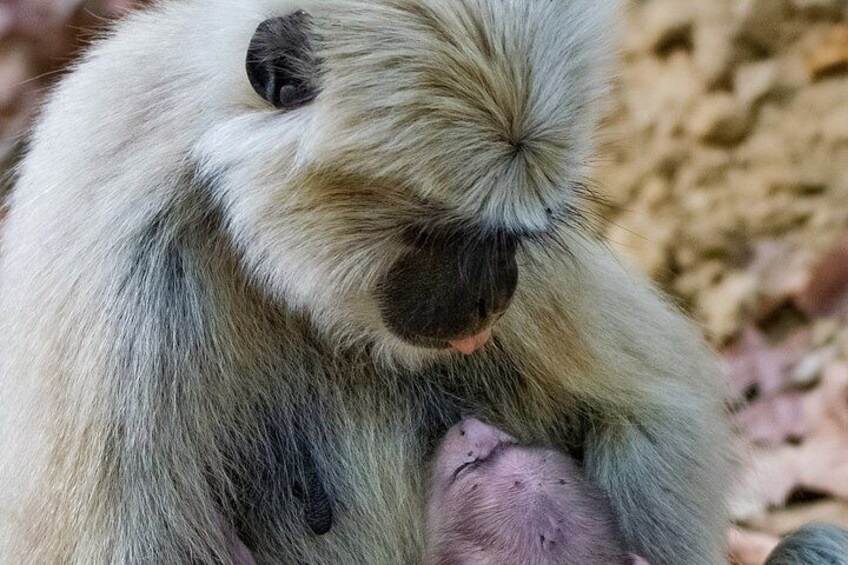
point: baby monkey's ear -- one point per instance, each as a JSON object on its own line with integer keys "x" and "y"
{"x": 281, "y": 62}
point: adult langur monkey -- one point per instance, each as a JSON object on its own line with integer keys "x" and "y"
{"x": 246, "y": 300}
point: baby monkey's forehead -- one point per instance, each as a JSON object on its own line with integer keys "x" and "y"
{"x": 472, "y": 449}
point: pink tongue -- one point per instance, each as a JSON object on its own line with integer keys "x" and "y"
{"x": 472, "y": 344}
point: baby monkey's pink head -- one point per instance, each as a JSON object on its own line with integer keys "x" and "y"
{"x": 494, "y": 501}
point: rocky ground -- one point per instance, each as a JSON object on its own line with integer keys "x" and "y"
{"x": 725, "y": 162}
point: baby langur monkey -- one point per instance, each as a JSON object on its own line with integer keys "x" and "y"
{"x": 239, "y": 553}
{"x": 495, "y": 502}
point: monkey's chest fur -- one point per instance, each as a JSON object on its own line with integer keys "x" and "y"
{"x": 340, "y": 475}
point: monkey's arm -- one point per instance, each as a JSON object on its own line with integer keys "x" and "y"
{"x": 659, "y": 477}
{"x": 656, "y": 438}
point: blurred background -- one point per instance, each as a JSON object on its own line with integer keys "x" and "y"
{"x": 724, "y": 163}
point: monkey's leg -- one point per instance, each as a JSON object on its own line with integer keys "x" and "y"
{"x": 601, "y": 343}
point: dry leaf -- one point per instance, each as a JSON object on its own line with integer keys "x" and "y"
{"x": 827, "y": 290}
{"x": 831, "y": 56}
{"x": 782, "y": 522}
{"x": 760, "y": 369}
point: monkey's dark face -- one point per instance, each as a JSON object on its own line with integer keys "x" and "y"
{"x": 378, "y": 113}
{"x": 450, "y": 288}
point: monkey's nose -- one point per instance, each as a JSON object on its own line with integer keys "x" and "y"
{"x": 476, "y": 431}
{"x": 477, "y": 440}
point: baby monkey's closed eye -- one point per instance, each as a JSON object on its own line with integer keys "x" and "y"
{"x": 485, "y": 458}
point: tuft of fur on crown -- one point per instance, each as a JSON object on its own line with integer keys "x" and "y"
{"x": 486, "y": 106}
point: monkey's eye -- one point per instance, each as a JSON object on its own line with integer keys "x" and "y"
{"x": 281, "y": 63}
{"x": 483, "y": 459}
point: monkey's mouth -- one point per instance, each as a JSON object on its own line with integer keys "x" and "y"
{"x": 473, "y": 344}
{"x": 467, "y": 345}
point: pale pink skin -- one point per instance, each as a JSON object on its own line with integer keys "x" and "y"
{"x": 239, "y": 553}
{"x": 494, "y": 502}
{"x": 473, "y": 344}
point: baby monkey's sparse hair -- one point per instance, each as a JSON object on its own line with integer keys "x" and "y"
{"x": 494, "y": 502}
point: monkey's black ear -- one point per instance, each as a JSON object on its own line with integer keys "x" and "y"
{"x": 281, "y": 62}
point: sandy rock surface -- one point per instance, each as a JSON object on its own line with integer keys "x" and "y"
{"x": 725, "y": 162}
{"x": 728, "y": 139}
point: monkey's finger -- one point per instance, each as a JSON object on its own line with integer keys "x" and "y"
{"x": 318, "y": 509}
